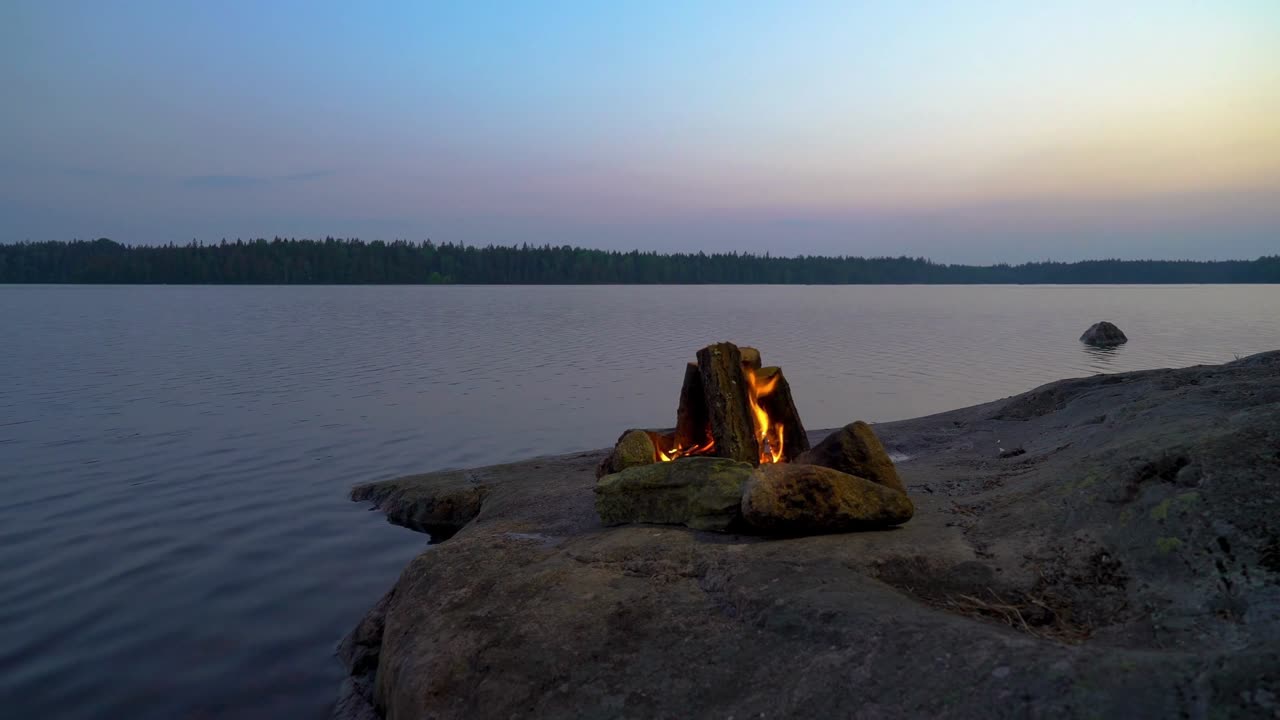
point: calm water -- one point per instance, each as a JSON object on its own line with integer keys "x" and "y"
{"x": 175, "y": 540}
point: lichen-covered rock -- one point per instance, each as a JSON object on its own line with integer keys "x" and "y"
{"x": 1103, "y": 334}
{"x": 790, "y": 499}
{"x": 703, "y": 493}
{"x": 634, "y": 447}
{"x": 854, "y": 449}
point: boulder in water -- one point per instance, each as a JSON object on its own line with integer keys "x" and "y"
{"x": 1103, "y": 334}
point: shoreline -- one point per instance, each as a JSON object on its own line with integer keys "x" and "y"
{"x": 1125, "y": 562}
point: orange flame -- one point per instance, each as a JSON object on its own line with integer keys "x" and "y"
{"x": 768, "y": 433}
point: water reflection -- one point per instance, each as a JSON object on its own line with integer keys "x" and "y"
{"x": 1102, "y": 358}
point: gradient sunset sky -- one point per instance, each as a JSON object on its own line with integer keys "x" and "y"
{"x": 962, "y": 131}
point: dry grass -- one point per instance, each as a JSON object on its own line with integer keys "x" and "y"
{"x": 1035, "y": 615}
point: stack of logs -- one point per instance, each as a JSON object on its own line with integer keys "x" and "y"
{"x": 730, "y": 407}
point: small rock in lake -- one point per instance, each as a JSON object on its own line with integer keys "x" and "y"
{"x": 1103, "y": 334}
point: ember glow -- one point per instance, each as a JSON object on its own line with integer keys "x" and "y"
{"x": 667, "y": 455}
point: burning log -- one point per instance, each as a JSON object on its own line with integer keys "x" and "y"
{"x": 692, "y": 425}
{"x": 729, "y": 407}
{"x": 782, "y": 415}
{"x": 724, "y": 388}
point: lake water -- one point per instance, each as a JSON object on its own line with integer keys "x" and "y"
{"x": 175, "y": 539}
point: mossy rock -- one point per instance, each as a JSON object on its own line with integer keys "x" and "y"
{"x": 791, "y": 499}
{"x": 634, "y": 447}
{"x": 855, "y": 450}
{"x": 703, "y": 493}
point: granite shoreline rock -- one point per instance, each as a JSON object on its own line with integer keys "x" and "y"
{"x": 440, "y": 504}
{"x": 1127, "y": 564}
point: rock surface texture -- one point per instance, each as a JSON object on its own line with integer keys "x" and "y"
{"x": 1127, "y": 564}
{"x": 1103, "y": 334}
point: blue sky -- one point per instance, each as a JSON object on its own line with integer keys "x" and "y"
{"x": 975, "y": 131}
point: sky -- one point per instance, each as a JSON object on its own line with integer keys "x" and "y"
{"x": 976, "y": 131}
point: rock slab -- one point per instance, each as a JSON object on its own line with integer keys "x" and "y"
{"x": 1127, "y": 565}
{"x": 439, "y": 504}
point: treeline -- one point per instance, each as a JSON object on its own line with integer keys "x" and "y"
{"x": 338, "y": 261}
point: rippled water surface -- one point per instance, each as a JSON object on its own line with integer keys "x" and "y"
{"x": 175, "y": 540}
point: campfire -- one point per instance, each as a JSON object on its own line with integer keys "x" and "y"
{"x": 739, "y": 460}
{"x": 731, "y": 406}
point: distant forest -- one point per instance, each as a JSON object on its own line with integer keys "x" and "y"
{"x": 338, "y": 261}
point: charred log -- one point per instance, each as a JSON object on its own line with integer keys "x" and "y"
{"x": 724, "y": 387}
{"x": 692, "y": 425}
